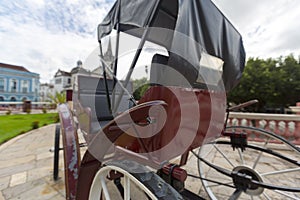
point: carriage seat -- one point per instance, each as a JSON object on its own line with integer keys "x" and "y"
{"x": 163, "y": 72}
{"x": 92, "y": 97}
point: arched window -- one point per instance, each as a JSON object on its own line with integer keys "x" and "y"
{"x": 1, "y": 98}
{"x": 13, "y": 99}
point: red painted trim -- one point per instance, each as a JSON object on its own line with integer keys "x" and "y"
{"x": 71, "y": 150}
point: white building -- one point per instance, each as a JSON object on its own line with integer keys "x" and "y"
{"x": 62, "y": 80}
{"x": 46, "y": 90}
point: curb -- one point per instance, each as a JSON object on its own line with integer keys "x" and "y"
{"x": 13, "y": 140}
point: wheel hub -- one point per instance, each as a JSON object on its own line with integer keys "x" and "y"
{"x": 251, "y": 189}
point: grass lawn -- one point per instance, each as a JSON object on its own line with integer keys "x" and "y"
{"x": 14, "y": 125}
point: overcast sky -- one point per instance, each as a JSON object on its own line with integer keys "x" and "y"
{"x": 46, "y": 35}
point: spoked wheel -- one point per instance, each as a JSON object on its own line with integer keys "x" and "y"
{"x": 56, "y": 152}
{"x": 115, "y": 181}
{"x": 268, "y": 160}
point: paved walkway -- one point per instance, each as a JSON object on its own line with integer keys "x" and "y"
{"x": 26, "y": 167}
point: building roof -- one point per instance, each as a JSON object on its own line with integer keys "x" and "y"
{"x": 79, "y": 69}
{"x": 76, "y": 70}
{"x": 62, "y": 73}
{"x": 14, "y": 67}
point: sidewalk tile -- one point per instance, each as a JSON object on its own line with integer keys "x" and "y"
{"x": 1, "y": 196}
{"x": 18, "y": 190}
{"x": 37, "y": 173}
{"x": 4, "y": 182}
{"x": 18, "y": 179}
{"x": 16, "y": 161}
{"x": 16, "y": 169}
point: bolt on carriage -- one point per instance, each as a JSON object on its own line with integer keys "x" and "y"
{"x": 173, "y": 141}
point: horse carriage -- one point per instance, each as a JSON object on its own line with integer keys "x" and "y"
{"x": 150, "y": 148}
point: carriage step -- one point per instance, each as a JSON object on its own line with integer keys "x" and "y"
{"x": 188, "y": 195}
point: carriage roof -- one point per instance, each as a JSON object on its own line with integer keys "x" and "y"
{"x": 200, "y": 20}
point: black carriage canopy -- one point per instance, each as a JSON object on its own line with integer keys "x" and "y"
{"x": 200, "y": 34}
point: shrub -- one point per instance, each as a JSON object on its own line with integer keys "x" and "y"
{"x": 44, "y": 110}
{"x": 56, "y": 118}
{"x": 28, "y": 111}
{"x": 8, "y": 112}
{"x": 35, "y": 125}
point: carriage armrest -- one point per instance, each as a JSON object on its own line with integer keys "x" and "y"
{"x": 137, "y": 114}
{"x": 111, "y": 132}
{"x": 242, "y": 105}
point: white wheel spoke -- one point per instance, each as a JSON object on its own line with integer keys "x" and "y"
{"x": 259, "y": 156}
{"x": 280, "y": 171}
{"x": 224, "y": 156}
{"x": 286, "y": 194}
{"x": 268, "y": 144}
{"x": 216, "y": 184}
{"x": 126, "y": 188}
{"x": 241, "y": 156}
{"x": 267, "y": 196}
{"x": 104, "y": 188}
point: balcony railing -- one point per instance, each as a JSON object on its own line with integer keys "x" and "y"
{"x": 287, "y": 126}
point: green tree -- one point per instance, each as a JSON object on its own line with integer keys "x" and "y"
{"x": 58, "y": 98}
{"x": 139, "y": 87}
{"x": 274, "y": 82}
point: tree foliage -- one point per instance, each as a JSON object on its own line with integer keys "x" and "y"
{"x": 139, "y": 87}
{"x": 274, "y": 82}
{"x": 58, "y": 98}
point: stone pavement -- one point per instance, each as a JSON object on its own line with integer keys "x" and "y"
{"x": 26, "y": 167}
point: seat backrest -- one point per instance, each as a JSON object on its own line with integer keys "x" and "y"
{"x": 92, "y": 94}
{"x": 162, "y": 73}
{"x": 157, "y": 69}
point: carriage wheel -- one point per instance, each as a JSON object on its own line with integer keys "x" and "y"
{"x": 114, "y": 181}
{"x": 267, "y": 159}
{"x": 56, "y": 152}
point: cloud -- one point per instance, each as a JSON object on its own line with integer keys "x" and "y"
{"x": 46, "y": 35}
{"x": 270, "y": 28}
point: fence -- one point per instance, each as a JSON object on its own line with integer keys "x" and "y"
{"x": 287, "y": 126}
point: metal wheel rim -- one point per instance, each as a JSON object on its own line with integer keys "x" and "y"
{"x": 99, "y": 184}
{"x": 205, "y": 183}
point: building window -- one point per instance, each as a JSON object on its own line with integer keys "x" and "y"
{"x": 13, "y": 99}
{"x": 24, "y": 86}
{"x": 13, "y": 87}
{"x": 69, "y": 80}
{"x": 1, "y": 84}
{"x": 32, "y": 85}
{"x": 1, "y": 99}
{"x": 58, "y": 81}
